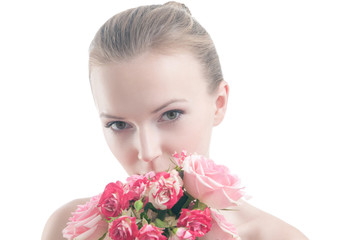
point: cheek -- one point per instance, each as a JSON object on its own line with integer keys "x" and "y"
{"x": 120, "y": 148}
{"x": 191, "y": 134}
{"x": 201, "y": 131}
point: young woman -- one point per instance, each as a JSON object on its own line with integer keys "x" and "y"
{"x": 158, "y": 87}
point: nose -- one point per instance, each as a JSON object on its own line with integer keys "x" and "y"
{"x": 148, "y": 144}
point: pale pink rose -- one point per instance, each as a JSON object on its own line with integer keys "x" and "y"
{"x": 179, "y": 158}
{"x": 150, "y": 175}
{"x": 182, "y": 234}
{"x": 212, "y": 184}
{"x": 165, "y": 189}
{"x": 86, "y": 222}
{"x": 150, "y": 232}
{"x": 221, "y": 228}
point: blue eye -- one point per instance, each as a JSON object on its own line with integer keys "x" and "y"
{"x": 117, "y": 125}
{"x": 171, "y": 115}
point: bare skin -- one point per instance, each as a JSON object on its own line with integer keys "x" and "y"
{"x": 57, "y": 221}
{"x": 156, "y": 104}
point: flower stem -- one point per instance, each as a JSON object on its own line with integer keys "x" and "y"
{"x": 189, "y": 200}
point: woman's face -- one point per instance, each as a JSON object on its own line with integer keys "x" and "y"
{"x": 154, "y": 105}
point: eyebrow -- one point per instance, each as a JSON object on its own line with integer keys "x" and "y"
{"x": 105, "y": 115}
{"x": 167, "y": 104}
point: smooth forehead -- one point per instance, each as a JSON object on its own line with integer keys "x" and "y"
{"x": 150, "y": 62}
{"x": 149, "y": 74}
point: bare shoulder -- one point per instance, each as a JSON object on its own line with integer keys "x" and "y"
{"x": 57, "y": 221}
{"x": 253, "y": 223}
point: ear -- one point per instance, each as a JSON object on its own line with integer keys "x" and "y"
{"x": 221, "y": 101}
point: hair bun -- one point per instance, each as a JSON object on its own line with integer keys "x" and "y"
{"x": 178, "y": 5}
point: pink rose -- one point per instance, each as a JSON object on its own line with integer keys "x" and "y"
{"x": 182, "y": 234}
{"x": 135, "y": 186}
{"x": 150, "y": 175}
{"x": 165, "y": 190}
{"x": 212, "y": 184}
{"x": 222, "y": 229}
{"x": 123, "y": 228}
{"x": 150, "y": 232}
{"x": 113, "y": 200}
{"x": 179, "y": 158}
{"x": 197, "y": 221}
{"x": 86, "y": 222}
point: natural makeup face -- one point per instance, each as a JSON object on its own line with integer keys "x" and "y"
{"x": 154, "y": 105}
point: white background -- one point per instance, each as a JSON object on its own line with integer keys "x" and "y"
{"x": 292, "y": 131}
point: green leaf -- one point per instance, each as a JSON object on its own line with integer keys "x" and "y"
{"x": 144, "y": 221}
{"x": 170, "y": 213}
{"x": 189, "y": 200}
{"x": 149, "y": 205}
{"x": 166, "y": 233}
{"x": 111, "y": 219}
{"x": 159, "y": 223}
{"x": 201, "y": 206}
{"x": 144, "y": 215}
{"x": 162, "y": 214}
{"x": 180, "y": 204}
{"x": 138, "y": 205}
{"x": 181, "y": 173}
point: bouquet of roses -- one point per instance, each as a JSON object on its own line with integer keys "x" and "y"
{"x": 179, "y": 204}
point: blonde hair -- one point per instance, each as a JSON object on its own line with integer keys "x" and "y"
{"x": 161, "y": 28}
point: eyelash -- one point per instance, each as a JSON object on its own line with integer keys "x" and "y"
{"x": 178, "y": 112}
